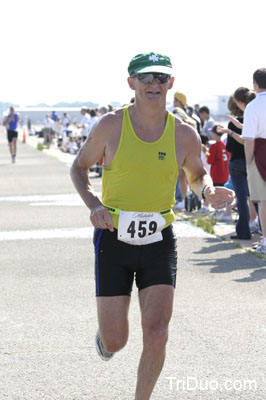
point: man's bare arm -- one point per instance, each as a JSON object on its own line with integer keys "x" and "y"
{"x": 183, "y": 183}
{"x": 91, "y": 151}
{"x": 192, "y": 164}
{"x": 198, "y": 177}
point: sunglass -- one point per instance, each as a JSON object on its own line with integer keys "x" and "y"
{"x": 148, "y": 78}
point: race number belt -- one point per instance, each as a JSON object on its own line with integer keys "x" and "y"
{"x": 139, "y": 227}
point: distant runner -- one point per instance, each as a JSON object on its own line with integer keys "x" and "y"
{"x": 11, "y": 122}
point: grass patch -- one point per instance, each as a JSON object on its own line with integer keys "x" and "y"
{"x": 261, "y": 256}
{"x": 206, "y": 223}
{"x": 41, "y": 146}
{"x": 238, "y": 246}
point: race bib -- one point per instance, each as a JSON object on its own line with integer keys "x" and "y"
{"x": 139, "y": 228}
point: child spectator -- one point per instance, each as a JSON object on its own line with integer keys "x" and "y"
{"x": 218, "y": 158}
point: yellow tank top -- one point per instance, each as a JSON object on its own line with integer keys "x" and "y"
{"x": 142, "y": 175}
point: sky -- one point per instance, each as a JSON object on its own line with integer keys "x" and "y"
{"x": 79, "y": 50}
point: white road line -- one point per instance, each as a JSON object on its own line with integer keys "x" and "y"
{"x": 71, "y": 233}
{"x": 49, "y": 200}
{"x": 77, "y": 203}
{"x": 69, "y": 197}
{"x": 182, "y": 229}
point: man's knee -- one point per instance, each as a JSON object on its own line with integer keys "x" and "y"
{"x": 114, "y": 343}
{"x": 155, "y": 337}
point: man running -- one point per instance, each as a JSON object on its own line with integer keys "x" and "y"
{"x": 11, "y": 122}
{"x": 143, "y": 147}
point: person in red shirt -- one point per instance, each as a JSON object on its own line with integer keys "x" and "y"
{"x": 218, "y": 158}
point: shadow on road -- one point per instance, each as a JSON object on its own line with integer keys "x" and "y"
{"x": 234, "y": 262}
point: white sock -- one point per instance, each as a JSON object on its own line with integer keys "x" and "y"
{"x": 264, "y": 241}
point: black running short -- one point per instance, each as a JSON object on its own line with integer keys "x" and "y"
{"x": 118, "y": 263}
{"x": 11, "y": 135}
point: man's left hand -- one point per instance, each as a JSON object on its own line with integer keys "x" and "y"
{"x": 218, "y": 196}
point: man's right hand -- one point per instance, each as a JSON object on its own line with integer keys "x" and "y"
{"x": 101, "y": 218}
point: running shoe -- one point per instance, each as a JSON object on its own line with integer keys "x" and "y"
{"x": 218, "y": 212}
{"x": 180, "y": 205}
{"x": 254, "y": 226}
{"x": 203, "y": 210}
{"x": 104, "y": 354}
{"x": 261, "y": 249}
{"x": 255, "y": 245}
{"x": 224, "y": 218}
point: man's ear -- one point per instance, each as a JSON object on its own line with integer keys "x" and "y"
{"x": 255, "y": 86}
{"x": 171, "y": 82}
{"x": 131, "y": 83}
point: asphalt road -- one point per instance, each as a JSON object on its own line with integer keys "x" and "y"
{"x": 216, "y": 347}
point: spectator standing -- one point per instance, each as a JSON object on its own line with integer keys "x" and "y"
{"x": 29, "y": 125}
{"x": 193, "y": 115}
{"x": 243, "y": 96}
{"x": 179, "y": 109}
{"x": 11, "y": 122}
{"x": 84, "y": 123}
{"x": 48, "y": 124}
{"x": 181, "y": 185}
{"x": 187, "y": 115}
{"x": 237, "y": 163}
{"x": 180, "y": 103}
{"x": 54, "y": 116}
{"x": 207, "y": 121}
{"x": 254, "y": 133}
{"x": 55, "y": 119}
{"x": 93, "y": 117}
{"x": 57, "y": 128}
{"x": 103, "y": 110}
{"x": 65, "y": 120}
{"x": 196, "y": 109}
{"x": 64, "y": 135}
{"x": 183, "y": 116}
